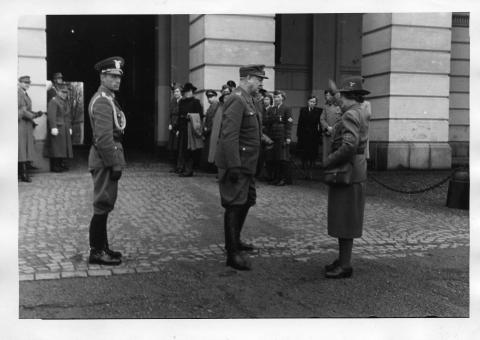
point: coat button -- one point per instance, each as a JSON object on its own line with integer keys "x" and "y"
{"x": 243, "y": 149}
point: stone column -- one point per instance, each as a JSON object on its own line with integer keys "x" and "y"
{"x": 32, "y": 53}
{"x": 406, "y": 65}
{"x": 221, "y": 43}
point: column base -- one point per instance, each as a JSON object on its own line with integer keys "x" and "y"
{"x": 398, "y": 155}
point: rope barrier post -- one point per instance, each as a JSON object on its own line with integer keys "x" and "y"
{"x": 459, "y": 190}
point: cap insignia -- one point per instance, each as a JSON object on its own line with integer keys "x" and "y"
{"x": 117, "y": 63}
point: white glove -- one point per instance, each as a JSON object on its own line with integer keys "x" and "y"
{"x": 170, "y": 127}
{"x": 54, "y": 131}
{"x": 178, "y": 132}
{"x": 70, "y": 131}
{"x": 288, "y": 140}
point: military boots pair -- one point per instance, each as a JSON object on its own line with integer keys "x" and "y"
{"x": 234, "y": 219}
{"x": 100, "y": 252}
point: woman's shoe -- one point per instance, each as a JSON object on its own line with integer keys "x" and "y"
{"x": 332, "y": 266}
{"x": 339, "y": 273}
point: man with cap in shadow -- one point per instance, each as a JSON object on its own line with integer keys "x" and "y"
{"x": 59, "y": 128}
{"x": 236, "y": 158}
{"x": 57, "y": 80}
{"x": 106, "y": 159}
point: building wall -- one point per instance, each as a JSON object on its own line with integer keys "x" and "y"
{"x": 32, "y": 53}
{"x": 460, "y": 89}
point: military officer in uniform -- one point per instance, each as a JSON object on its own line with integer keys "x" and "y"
{"x": 236, "y": 158}
{"x": 106, "y": 158}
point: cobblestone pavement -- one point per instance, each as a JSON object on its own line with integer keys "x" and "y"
{"x": 160, "y": 217}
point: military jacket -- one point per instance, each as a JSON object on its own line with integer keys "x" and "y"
{"x": 349, "y": 140}
{"x": 240, "y": 133}
{"x": 108, "y": 123}
{"x": 278, "y": 123}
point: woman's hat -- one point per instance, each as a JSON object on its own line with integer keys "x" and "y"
{"x": 353, "y": 85}
{"x": 189, "y": 87}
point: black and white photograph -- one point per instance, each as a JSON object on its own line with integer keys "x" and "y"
{"x": 214, "y": 171}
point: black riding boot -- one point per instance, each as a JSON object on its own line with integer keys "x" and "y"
{"x": 235, "y": 259}
{"x": 97, "y": 235}
{"x": 243, "y": 215}
{"x": 112, "y": 253}
{"x": 24, "y": 177}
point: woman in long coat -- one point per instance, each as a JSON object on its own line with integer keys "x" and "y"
{"x": 59, "y": 128}
{"x": 330, "y": 114}
{"x": 25, "y": 128}
{"x": 173, "y": 126}
{"x": 346, "y": 203}
{"x": 309, "y": 134}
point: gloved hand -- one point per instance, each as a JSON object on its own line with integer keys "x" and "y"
{"x": 233, "y": 174}
{"x": 288, "y": 140}
{"x": 170, "y": 127}
{"x": 54, "y": 131}
{"x": 116, "y": 173}
{"x": 70, "y": 131}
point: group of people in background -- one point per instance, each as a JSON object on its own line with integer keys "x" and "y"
{"x": 58, "y": 146}
{"x": 314, "y": 129}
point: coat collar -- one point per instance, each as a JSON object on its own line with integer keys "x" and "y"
{"x": 108, "y": 92}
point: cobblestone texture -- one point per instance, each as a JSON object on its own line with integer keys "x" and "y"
{"x": 160, "y": 217}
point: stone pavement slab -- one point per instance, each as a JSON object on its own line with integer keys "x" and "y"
{"x": 160, "y": 217}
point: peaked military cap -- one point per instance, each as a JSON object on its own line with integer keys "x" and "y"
{"x": 211, "y": 93}
{"x": 353, "y": 85}
{"x": 189, "y": 87}
{"x": 62, "y": 88}
{"x": 112, "y": 65}
{"x": 57, "y": 75}
{"x": 253, "y": 70}
{"x": 24, "y": 79}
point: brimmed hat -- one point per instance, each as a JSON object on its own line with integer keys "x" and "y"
{"x": 24, "y": 79}
{"x": 112, "y": 65}
{"x": 62, "y": 88}
{"x": 253, "y": 70}
{"x": 211, "y": 93}
{"x": 57, "y": 75}
{"x": 189, "y": 87}
{"x": 353, "y": 85}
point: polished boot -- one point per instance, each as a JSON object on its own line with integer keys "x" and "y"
{"x": 243, "y": 215}
{"x": 101, "y": 257}
{"x": 108, "y": 251}
{"x": 24, "y": 177}
{"x": 97, "y": 239}
{"x": 235, "y": 258}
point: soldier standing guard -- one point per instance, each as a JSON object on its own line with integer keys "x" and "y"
{"x": 106, "y": 158}
{"x": 236, "y": 158}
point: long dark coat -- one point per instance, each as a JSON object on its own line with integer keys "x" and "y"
{"x": 173, "y": 138}
{"x": 309, "y": 132}
{"x": 25, "y": 127}
{"x": 346, "y": 204}
{"x": 186, "y": 106}
{"x": 278, "y": 126}
{"x": 58, "y": 114}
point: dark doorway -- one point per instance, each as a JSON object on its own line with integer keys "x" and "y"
{"x": 76, "y": 42}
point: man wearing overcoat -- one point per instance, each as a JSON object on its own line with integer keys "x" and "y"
{"x": 59, "y": 129}
{"x": 236, "y": 158}
{"x": 106, "y": 159}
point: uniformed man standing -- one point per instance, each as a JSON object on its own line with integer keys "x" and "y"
{"x": 236, "y": 158}
{"x": 57, "y": 81}
{"x": 106, "y": 158}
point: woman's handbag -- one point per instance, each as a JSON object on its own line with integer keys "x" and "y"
{"x": 341, "y": 175}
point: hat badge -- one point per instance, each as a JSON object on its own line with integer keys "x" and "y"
{"x": 117, "y": 63}
{"x": 352, "y": 84}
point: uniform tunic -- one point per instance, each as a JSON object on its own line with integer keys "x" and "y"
{"x": 346, "y": 204}
{"x": 25, "y": 127}
{"x": 106, "y": 152}
{"x": 330, "y": 114}
{"x": 58, "y": 113}
{"x": 309, "y": 132}
{"x": 278, "y": 126}
{"x": 238, "y": 147}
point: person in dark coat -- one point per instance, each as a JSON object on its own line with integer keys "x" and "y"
{"x": 173, "y": 126}
{"x": 106, "y": 159}
{"x": 26, "y": 125}
{"x": 278, "y": 126}
{"x": 188, "y": 104}
{"x": 309, "y": 135}
{"x": 57, "y": 80}
{"x": 346, "y": 203}
{"x": 212, "y": 98}
{"x": 330, "y": 114}
{"x": 236, "y": 158}
{"x": 216, "y": 123}
{"x": 59, "y": 128}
